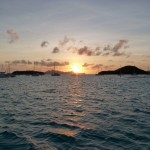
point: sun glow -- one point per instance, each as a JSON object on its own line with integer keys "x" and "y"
{"x": 76, "y": 69}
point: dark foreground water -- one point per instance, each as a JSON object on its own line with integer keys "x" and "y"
{"x": 74, "y": 113}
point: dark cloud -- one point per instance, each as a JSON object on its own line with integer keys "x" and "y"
{"x": 13, "y": 36}
{"x": 85, "y": 51}
{"x": 88, "y": 51}
{"x": 86, "y": 65}
{"x": 119, "y": 45}
{"x": 44, "y": 44}
{"x": 55, "y": 50}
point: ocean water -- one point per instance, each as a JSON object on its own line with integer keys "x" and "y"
{"x": 74, "y": 113}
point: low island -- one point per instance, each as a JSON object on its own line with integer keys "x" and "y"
{"x": 28, "y": 72}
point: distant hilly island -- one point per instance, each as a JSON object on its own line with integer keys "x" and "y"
{"x": 125, "y": 70}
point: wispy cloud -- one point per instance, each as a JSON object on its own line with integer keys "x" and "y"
{"x": 65, "y": 41}
{"x": 44, "y": 44}
{"x": 119, "y": 45}
{"x": 86, "y": 65}
{"x": 97, "y": 66}
{"x": 108, "y": 67}
{"x": 119, "y": 54}
{"x": 13, "y": 36}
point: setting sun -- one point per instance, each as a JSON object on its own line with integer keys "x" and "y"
{"x": 77, "y": 69}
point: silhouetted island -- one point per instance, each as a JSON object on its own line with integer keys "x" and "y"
{"x": 28, "y": 72}
{"x": 124, "y": 70}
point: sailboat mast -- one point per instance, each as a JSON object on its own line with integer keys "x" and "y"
{"x": 54, "y": 66}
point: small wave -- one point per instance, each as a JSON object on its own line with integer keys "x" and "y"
{"x": 38, "y": 98}
{"x": 79, "y": 110}
{"x": 93, "y": 134}
{"x": 128, "y": 121}
{"x": 56, "y": 137}
{"x": 49, "y": 91}
{"x": 11, "y": 141}
{"x": 137, "y": 137}
{"x": 57, "y": 125}
{"x": 142, "y": 111}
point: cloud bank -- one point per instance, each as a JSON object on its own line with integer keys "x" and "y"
{"x": 19, "y": 62}
{"x": 47, "y": 63}
{"x": 50, "y": 63}
{"x": 117, "y": 49}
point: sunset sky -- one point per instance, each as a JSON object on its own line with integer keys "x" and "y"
{"x": 94, "y": 34}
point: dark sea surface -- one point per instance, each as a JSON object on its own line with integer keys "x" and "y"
{"x": 74, "y": 113}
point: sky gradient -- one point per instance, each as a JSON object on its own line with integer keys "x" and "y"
{"x": 95, "y": 34}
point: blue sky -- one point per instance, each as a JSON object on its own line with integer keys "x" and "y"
{"x": 91, "y": 23}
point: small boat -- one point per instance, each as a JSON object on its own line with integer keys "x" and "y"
{"x": 3, "y": 75}
{"x": 54, "y": 73}
{"x": 6, "y": 74}
{"x": 11, "y": 75}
